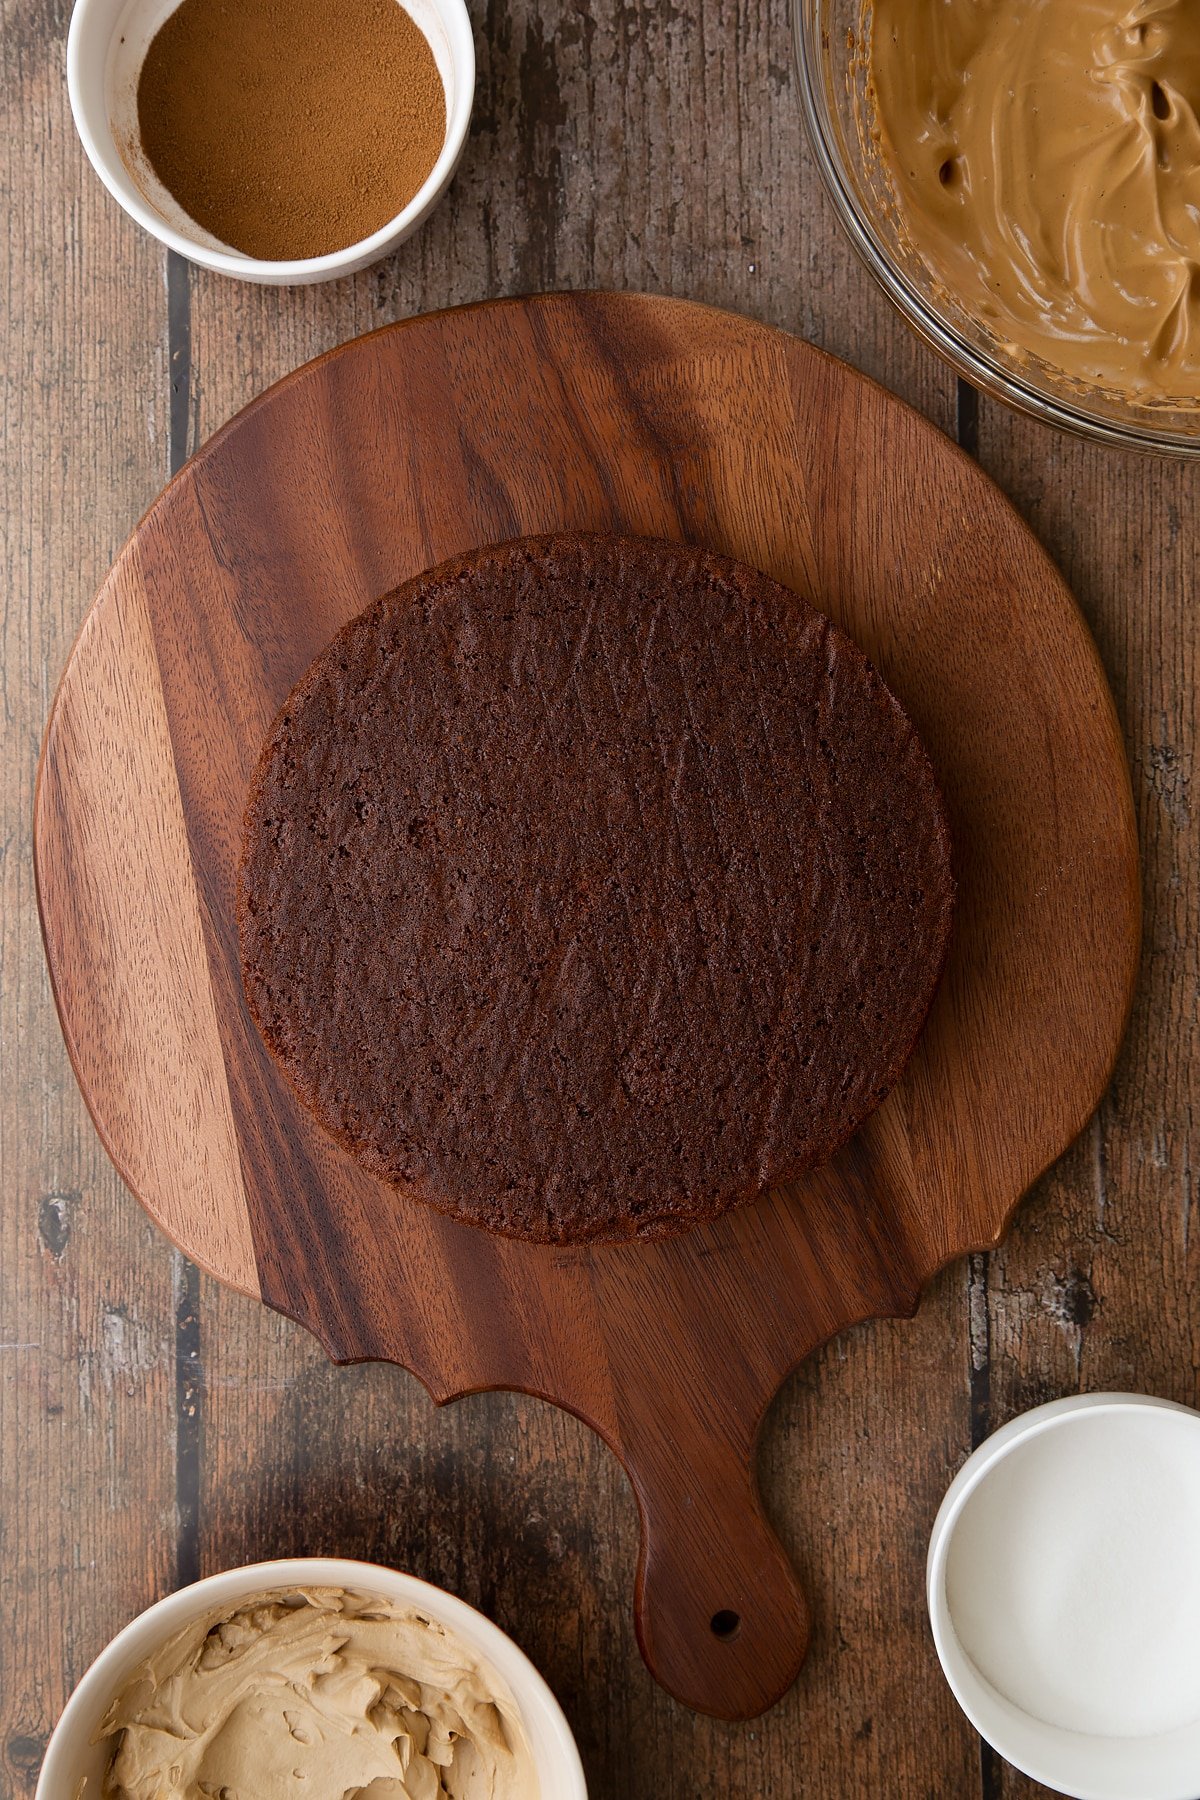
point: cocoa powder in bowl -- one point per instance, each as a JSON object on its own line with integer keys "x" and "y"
{"x": 291, "y": 128}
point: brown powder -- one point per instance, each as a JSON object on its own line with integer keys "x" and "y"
{"x": 291, "y": 128}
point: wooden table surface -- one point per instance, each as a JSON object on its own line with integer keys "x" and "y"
{"x": 154, "y": 1427}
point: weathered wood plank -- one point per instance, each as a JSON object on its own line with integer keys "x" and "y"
{"x": 654, "y": 146}
{"x": 644, "y": 148}
{"x": 87, "y": 1373}
{"x": 1098, "y": 1286}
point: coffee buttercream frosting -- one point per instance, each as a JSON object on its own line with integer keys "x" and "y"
{"x": 316, "y": 1695}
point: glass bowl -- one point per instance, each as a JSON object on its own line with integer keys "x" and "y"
{"x": 831, "y": 60}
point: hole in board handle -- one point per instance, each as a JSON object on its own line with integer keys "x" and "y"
{"x": 725, "y": 1624}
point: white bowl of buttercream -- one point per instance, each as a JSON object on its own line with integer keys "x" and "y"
{"x": 466, "y": 1656}
{"x": 1064, "y": 1591}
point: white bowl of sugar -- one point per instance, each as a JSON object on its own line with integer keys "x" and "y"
{"x": 1064, "y": 1593}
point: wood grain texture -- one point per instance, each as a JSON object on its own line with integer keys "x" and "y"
{"x": 666, "y": 419}
{"x": 633, "y": 145}
{"x": 87, "y": 1376}
{"x": 1098, "y": 1286}
{"x": 597, "y": 189}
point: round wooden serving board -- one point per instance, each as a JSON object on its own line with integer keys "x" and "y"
{"x": 595, "y": 413}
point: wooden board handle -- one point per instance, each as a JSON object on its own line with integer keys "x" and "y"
{"x": 721, "y": 1618}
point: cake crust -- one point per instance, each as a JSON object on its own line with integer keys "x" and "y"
{"x": 590, "y": 886}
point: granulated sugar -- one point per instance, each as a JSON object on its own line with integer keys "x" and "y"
{"x": 1073, "y": 1575}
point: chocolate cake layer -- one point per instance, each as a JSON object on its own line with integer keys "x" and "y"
{"x": 590, "y": 885}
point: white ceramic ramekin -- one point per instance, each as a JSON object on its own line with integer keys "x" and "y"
{"x": 106, "y": 46}
{"x": 1165, "y": 1767}
{"x": 72, "y": 1755}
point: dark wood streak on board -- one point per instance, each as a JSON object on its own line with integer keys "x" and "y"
{"x": 189, "y": 1369}
{"x": 979, "y": 1333}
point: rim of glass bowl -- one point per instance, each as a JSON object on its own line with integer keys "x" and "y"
{"x": 808, "y": 27}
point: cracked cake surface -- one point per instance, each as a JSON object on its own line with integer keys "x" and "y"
{"x": 590, "y": 885}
